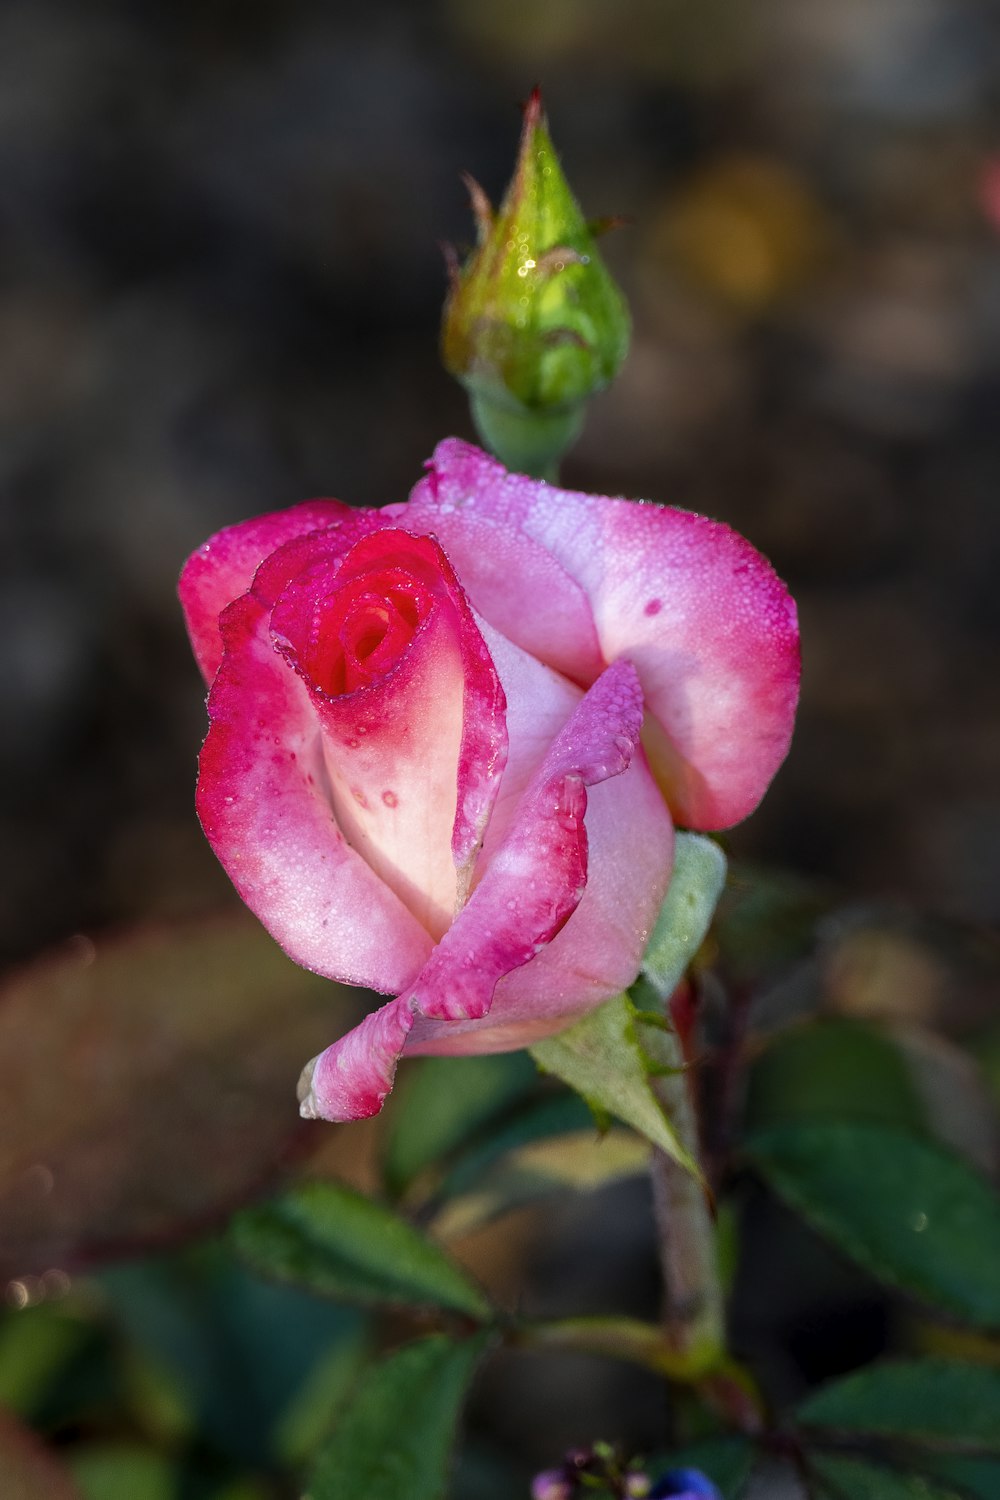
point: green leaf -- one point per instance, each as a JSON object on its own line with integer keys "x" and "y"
{"x": 558, "y": 1113}
{"x": 395, "y": 1437}
{"x": 606, "y": 1058}
{"x": 312, "y": 1411}
{"x": 579, "y": 1160}
{"x": 611, "y": 1054}
{"x": 333, "y": 1240}
{"x": 910, "y": 1213}
{"x": 832, "y": 1069}
{"x": 854, "y": 1479}
{"x": 116, "y": 1471}
{"x": 696, "y": 883}
{"x": 931, "y": 1401}
{"x": 238, "y": 1349}
{"x": 36, "y": 1346}
{"x": 767, "y": 919}
{"x": 441, "y": 1103}
{"x": 987, "y": 1050}
{"x": 976, "y": 1477}
{"x": 954, "y": 1096}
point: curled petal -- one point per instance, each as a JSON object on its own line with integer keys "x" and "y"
{"x": 529, "y": 889}
{"x": 410, "y": 709}
{"x": 596, "y": 954}
{"x": 223, "y": 568}
{"x": 264, "y": 805}
{"x": 708, "y": 625}
{"x": 504, "y": 572}
{"x": 350, "y": 1080}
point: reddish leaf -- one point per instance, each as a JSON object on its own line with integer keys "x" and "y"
{"x": 148, "y": 1086}
{"x": 29, "y": 1470}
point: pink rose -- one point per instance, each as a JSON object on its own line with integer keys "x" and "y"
{"x": 423, "y": 770}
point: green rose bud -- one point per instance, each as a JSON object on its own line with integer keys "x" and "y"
{"x": 533, "y": 324}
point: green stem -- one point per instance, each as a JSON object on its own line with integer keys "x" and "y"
{"x": 693, "y": 1309}
{"x": 628, "y": 1339}
{"x": 722, "y": 1383}
{"x": 524, "y": 440}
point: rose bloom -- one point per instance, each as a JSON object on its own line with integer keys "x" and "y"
{"x": 449, "y": 740}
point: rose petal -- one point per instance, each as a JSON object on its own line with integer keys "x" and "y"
{"x": 502, "y": 571}
{"x": 597, "y": 953}
{"x": 222, "y": 569}
{"x": 414, "y": 756}
{"x": 263, "y": 803}
{"x": 356, "y": 1074}
{"x": 703, "y": 617}
{"x": 529, "y": 889}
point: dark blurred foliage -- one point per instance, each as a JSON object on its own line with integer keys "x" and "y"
{"x": 220, "y": 288}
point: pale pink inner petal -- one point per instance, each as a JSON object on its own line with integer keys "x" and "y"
{"x": 512, "y": 581}
{"x": 391, "y": 754}
{"x": 410, "y": 708}
{"x": 265, "y": 808}
{"x": 597, "y": 953}
{"x": 529, "y": 889}
{"x": 539, "y": 702}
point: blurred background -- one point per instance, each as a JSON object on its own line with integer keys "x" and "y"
{"x": 221, "y": 280}
{"x": 220, "y": 286}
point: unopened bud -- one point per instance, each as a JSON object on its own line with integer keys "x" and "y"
{"x": 533, "y": 324}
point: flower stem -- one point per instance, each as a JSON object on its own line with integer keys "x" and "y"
{"x": 628, "y": 1339}
{"x": 528, "y": 441}
{"x": 722, "y": 1384}
{"x": 693, "y": 1312}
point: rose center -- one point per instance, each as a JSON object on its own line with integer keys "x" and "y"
{"x": 368, "y": 631}
{"x": 346, "y": 627}
{"x": 361, "y": 629}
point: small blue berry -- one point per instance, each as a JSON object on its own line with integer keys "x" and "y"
{"x": 684, "y": 1484}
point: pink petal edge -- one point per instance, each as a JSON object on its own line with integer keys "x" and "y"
{"x": 414, "y": 759}
{"x": 707, "y": 623}
{"x": 263, "y": 805}
{"x": 223, "y": 568}
{"x": 532, "y": 885}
